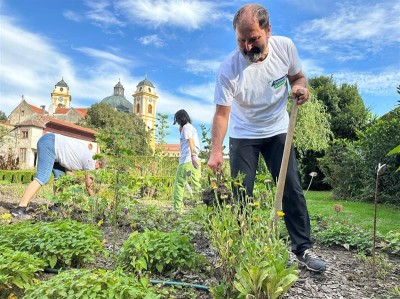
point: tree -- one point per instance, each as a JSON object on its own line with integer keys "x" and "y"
{"x": 129, "y": 129}
{"x": 344, "y": 105}
{"x": 3, "y": 116}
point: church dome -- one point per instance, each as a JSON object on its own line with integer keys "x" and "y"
{"x": 62, "y": 83}
{"x": 145, "y": 82}
{"x": 118, "y": 100}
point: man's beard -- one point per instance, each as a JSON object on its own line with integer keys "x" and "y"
{"x": 255, "y": 54}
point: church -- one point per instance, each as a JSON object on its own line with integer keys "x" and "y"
{"x": 27, "y": 123}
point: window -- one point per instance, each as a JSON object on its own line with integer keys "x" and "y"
{"x": 137, "y": 108}
{"x": 24, "y": 134}
{"x": 22, "y": 154}
{"x": 22, "y": 112}
{"x": 150, "y": 109}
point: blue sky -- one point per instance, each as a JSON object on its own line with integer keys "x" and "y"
{"x": 179, "y": 45}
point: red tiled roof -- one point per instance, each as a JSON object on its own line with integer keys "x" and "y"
{"x": 38, "y": 110}
{"x": 82, "y": 111}
{"x": 171, "y": 147}
{"x": 68, "y": 125}
{"x": 60, "y": 110}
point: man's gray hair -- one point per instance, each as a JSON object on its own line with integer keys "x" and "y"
{"x": 257, "y": 12}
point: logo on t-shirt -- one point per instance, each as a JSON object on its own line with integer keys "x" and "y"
{"x": 278, "y": 82}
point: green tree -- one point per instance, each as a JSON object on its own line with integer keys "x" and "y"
{"x": 161, "y": 132}
{"x": 3, "y": 116}
{"x": 350, "y": 166}
{"x": 129, "y": 129}
{"x": 344, "y": 105}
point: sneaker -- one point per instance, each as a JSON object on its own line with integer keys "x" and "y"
{"x": 20, "y": 213}
{"x": 311, "y": 261}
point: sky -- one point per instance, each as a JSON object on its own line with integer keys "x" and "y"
{"x": 178, "y": 45}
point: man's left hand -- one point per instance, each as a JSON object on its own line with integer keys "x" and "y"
{"x": 300, "y": 93}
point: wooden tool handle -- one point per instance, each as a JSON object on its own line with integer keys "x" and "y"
{"x": 285, "y": 159}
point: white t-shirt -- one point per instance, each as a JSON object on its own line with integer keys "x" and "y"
{"x": 188, "y": 131}
{"x": 257, "y": 92}
{"x": 72, "y": 154}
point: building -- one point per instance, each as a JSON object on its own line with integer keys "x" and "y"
{"x": 23, "y": 137}
{"x": 118, "y": 100}
{"x": 27, "y": 123}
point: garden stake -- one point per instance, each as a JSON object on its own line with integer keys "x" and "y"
{"x": 285, "y": 159}
{"x": 380, "y": 170}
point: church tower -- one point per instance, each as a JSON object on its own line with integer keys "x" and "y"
{"x": 144, "y": 105}
{"x": 60, "y": 97}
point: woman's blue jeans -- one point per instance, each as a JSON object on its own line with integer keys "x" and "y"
{"x": 46, "y": 160}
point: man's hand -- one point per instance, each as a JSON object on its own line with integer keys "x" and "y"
{"x": 194, "y": 162}
{"x": 215, "y": 162}
{"x": 300, "y": 93}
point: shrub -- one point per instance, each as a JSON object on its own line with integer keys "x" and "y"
{"x": 59, "y": 244}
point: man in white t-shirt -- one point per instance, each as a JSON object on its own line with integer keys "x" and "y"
{"x": 251, "y": 90}
{"x": 189, "y": 165}
{"x": 61, "y": 155}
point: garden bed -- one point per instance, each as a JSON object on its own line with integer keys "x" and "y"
{"x": 346, "y": 276}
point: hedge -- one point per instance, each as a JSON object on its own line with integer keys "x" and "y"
{"x": 17, "y": 176}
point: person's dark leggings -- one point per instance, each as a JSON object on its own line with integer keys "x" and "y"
{"x": 244, "y": 154}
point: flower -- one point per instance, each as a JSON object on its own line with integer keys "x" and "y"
{"x": 256, "y": 203}
{"x": 214, "y": 185}
{"x": 280, "y": 213}
{"x": 337, "y": 208}
{"x": 236, "y": 183}
{"x": 313, "y": 174}
{"x": 255, "y": 218}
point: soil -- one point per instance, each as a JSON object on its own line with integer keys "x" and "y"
{"x": 346, "y": 276}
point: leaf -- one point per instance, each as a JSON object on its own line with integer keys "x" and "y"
{"x": 396, "y": 150}
{"x": 52, "y": 260}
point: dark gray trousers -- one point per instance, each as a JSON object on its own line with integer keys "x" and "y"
{"x": 244, "y": 154}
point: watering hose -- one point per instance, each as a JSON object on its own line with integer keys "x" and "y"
{"x": 153, "y": 281}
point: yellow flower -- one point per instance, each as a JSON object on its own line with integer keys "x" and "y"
{"x": 255, "y": 218}
{"x": 280, "y": 213}
{"x": 237, "y": 183}
{"x": 256, "y": 203}
{"x": 214, "y": 185}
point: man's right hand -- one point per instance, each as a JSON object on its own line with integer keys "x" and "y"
{"x": 215, "y": 162}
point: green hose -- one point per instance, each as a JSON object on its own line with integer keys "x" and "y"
{"x": 153, "y": 281}
{"x": 186, "y": 284}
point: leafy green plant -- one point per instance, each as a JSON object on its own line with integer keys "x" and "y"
{"x": 392, "y": 242}
{"x": 18, "y": 268}
{"x": 347, "y": 236}
{"x": 59, "y": 244}
{"x": 158, "y": 251}
{"x": 80, "y": 284}
{"x": 252, "y": 258}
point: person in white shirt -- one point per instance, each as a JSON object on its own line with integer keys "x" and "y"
{"x": 61, "y": 155}
{"x": 251, "y": 91}
{"x": 189, "y": 164}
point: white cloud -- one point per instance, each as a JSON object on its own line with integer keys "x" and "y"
{"x": 353, "y": 31}
{"x": 197, "y": 66}
{"x": 101, "y": 13}
{"x": 204, "y": 92}
{"x": 382, "y": 83}
{"x": 153, "y": 40}
{"x": 154, "y": 13}
{"x": 103, "y": 55}
{"x": 73, "y": 16}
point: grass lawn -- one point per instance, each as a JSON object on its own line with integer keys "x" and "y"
{"x": 359, "y": 214}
